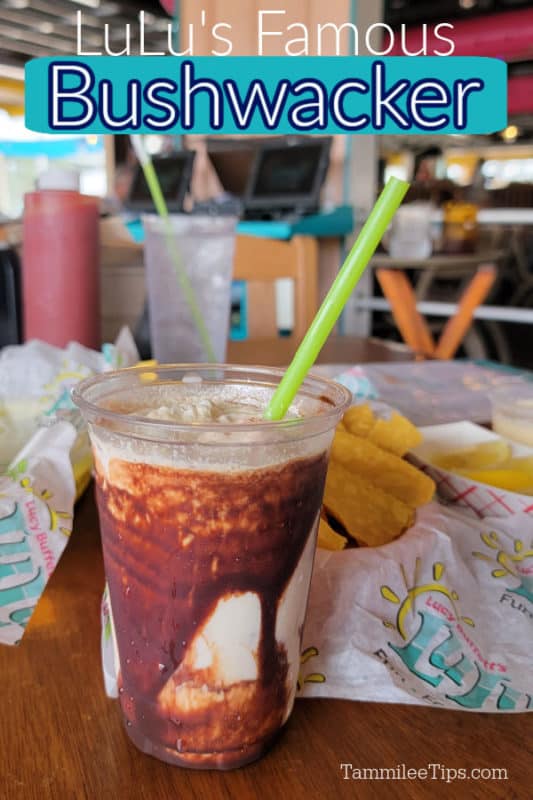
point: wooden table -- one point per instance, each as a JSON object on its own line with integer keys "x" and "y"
{"x": 62, "y": 739}
{"x": 480, "y": 268}
{"x": 337, "y": 350}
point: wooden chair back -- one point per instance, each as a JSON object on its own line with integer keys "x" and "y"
{"x": 261, "y": 262}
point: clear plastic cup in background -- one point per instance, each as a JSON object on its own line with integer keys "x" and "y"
{"x": 209, "y": 533}
{"x": 512, "y": 413}
{"x": 204, "y": 247}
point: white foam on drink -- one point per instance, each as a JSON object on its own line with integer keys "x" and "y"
{"x": 197, "y": 402}
{"x": 204, "y": 410}
{"x": 192, "y": 405}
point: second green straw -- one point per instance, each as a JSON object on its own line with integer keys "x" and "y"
{"x": 181, "y": 274}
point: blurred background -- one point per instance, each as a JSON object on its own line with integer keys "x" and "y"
{"x": 471, "y": 196}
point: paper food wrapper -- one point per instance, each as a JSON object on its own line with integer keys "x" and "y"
{"x": 45, "y": 458}
{"x": 36, "y": 501}
{"x": 442, "y": 617}
{"x": 357, "y": 381}
{"x": 36, "y": 379}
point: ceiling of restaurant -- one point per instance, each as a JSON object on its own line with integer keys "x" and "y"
{"x": 33, "y": 28}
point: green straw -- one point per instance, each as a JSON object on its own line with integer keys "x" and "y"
{"x": 183, "y": 279}
{"x": 347, "y": 279}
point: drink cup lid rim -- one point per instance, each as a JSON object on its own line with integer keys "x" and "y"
{"x": 330, "y": 390}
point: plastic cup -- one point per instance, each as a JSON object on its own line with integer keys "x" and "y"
{"x": 209, "y": 534}
{"x": 512, "y": 413}
{"x": 202, "y": 250}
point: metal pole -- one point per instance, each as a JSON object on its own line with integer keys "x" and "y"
{"x": 438, "y": 309}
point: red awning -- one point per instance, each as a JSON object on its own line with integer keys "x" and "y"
{"x": 508, "y": 36}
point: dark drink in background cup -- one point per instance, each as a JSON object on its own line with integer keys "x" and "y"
{"x": 208, "y": 518}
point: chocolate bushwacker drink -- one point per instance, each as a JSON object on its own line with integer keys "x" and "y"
{"x": 208, "y": 517}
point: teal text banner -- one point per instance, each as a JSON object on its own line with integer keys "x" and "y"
{"x": 259, "y": 94}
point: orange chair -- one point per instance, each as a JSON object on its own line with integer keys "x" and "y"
{"x": 412, "y": 325}
{"x": 260, "y": 262}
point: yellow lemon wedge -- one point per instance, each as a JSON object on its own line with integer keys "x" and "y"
{"x": 513, "y": 480}
{"x": 487, "y": 454}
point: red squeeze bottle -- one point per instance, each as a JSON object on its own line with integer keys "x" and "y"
{"x": 60, "y": 267}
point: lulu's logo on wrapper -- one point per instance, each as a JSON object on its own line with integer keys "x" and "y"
{"x": 32, "y": 536}
{"x": 439, "y": 648}
{"x": 517, "y": 564}
{"x": 21, "y": 580}
{"x": 58, "y": 519}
